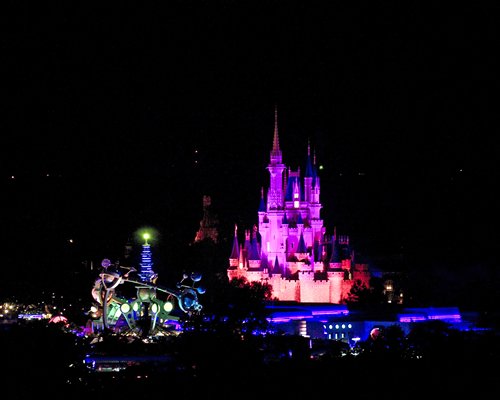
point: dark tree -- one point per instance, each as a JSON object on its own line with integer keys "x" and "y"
{"x": 362, "y": 295}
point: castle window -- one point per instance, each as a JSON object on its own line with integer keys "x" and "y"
{"x": 296, "y": 204}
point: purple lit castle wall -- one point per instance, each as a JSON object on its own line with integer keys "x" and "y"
{"x": 289, "y": 249}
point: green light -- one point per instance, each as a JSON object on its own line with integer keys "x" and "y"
{"x": 146, "y": 236}
{"x": 168, "y": 306}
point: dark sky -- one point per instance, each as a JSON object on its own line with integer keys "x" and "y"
{"x": 104, "y": 105}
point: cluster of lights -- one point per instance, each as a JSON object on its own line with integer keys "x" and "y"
{"x": 7, "y": 310}
{"x": 146, "y": 303}
{"x": 8, "y": 307}
{"x": 338, "y": 328}
{"x": 147, "y": 272}
{"x": 34, "y": 316}
{"x": 156, "y": 307}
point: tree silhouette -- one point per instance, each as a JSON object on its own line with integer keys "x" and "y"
{"x": 363, "y": 295}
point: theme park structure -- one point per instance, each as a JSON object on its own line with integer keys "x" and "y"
{"x": 130, "y": 302}
{"x": 289, "y": 248}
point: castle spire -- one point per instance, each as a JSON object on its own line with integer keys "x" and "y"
{"x": 309, "y": 165}
{"x": 276, "y": 141}
{"x": 275, "y": 168}
{"x": 235, "y": 252}
{"x": 276, "y": 157}
{"x": 241, "y": 263}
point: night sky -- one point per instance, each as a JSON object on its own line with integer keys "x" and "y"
{"x": 116, "y": 117}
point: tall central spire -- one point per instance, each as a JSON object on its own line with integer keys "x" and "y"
{"x": 276, "y": 167}
{"x": 276, "y": 141}
{"x": 276, "y": 152}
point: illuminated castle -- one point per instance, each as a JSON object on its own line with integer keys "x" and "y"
{"x": 290, "y": 249}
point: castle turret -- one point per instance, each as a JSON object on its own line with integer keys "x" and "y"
{"x": 235, "y": 251}
{"x": 309, "y": 176}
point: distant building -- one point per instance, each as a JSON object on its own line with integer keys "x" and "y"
{"x": 209, "y": 223}
{"x": 289, "y": 249}
{"x": 338, "y": 322}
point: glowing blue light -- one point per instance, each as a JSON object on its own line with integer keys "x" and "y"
{"x": 147, "y": 272}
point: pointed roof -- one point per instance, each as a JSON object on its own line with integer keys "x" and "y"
{"x": 276, "y": 141}
{"x": 336, "y": 255}
{"x": 309, "y": 166}
{"x": 292, "y": 183}
{"x": 276, "y": 269}
{"x": 302, "y": 245}
{"x": 315, "y": 170}
{"x": 235, "y": 252}
{"x": 276, "y": 152}
{"x": 253, "y": 252}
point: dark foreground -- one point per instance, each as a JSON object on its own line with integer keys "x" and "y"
{"x": 45, "y": 361}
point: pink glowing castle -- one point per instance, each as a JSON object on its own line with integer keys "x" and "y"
{"x": 290, "y": 249}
